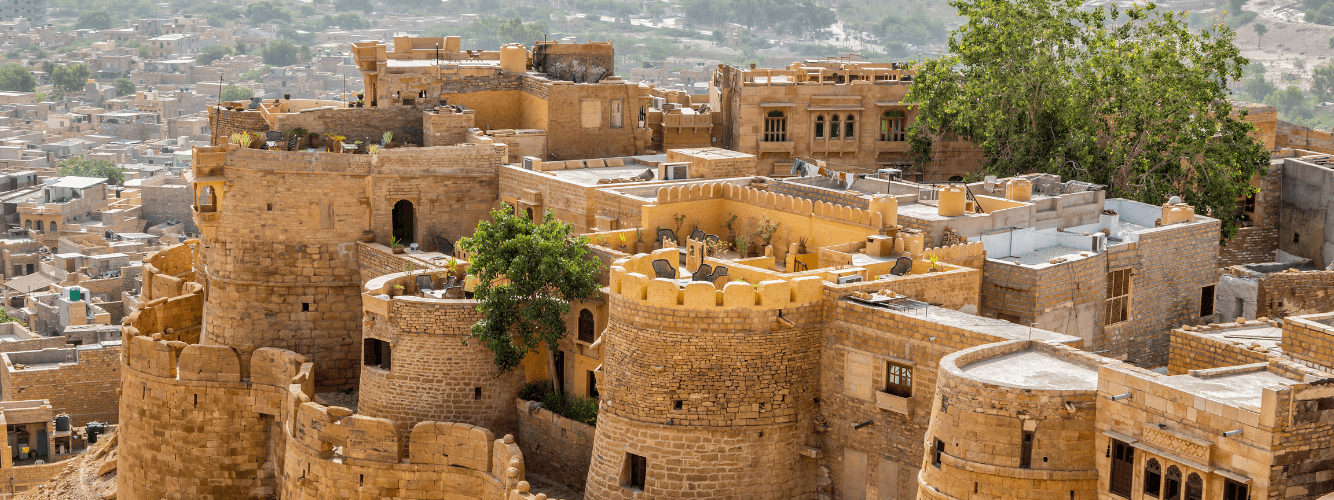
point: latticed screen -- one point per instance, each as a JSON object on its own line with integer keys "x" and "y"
{"x": 1118, "y": 297}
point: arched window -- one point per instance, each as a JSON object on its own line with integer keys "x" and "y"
{"x": 1153, "y": 478}
{"x": 53, "y": 226}
{"x": 1194, "y": 487}
{"x": 850, "y": 127}
{"x": 1172, "y": 484}
{"x": 27, "y": 224}
{"x": 586, "y": 326}
{"x": 39, "y": 225}
{"x": 529, "y": 212}
{"x": 819, "y": 126}
{"x": 775, "y": 127}
{"x": 833, "y": 127}
{"x": 891, "y": 126}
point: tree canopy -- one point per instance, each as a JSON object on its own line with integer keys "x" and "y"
{"x": 70, "y": 78}
{"x": 1132, "y": 99}
{"x": 94, "y": 19}
{"x": 265, "y": 11}
{"x": 788, "y": 16}
{"x": 284, "y": 53}
{"x": 234, "y": 93}
{"x": 83, "y": 167}
{"x": 489, "y": 33}
{"x": 528, "y": 275}
{"x": 16, "y": 78}
{"x": 207, "y": 55}
{"x": 123, "y": 86}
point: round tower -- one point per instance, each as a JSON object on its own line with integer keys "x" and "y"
{"x": 705, "y": 393}
{"x": 1013, "y": 420}
{"x": 416, "y": 368}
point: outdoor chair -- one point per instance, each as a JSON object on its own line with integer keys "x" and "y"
{"x": 702, "y": 273}
{"x": 273, "y": 138}
{"x": 424, "y": 284}
{"x": 697, "y": 235}
{"x": 799, "y": 266}
{"x": 293, "y": 141}
{"x": 667, "y": 234}
{"x": 717, "y": 271}
{"x": 901, "y": 266}
{"x": 664, "y": 269}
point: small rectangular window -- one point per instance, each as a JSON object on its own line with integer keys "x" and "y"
{"x": 937, "y": 452}
{"x": 898, "y": 379}
{"x": 305, "y": 307}
{"x": 635, "y": 473}
{"x": 477, "y": 393}
{"x": 1118, "y": 297}
{"x": 1026, "y": 451}
{"x": 593, "y": 385}
{"x": 1233, "y": 490}
{"x": 1207, "y": 301}
{"x": 375, "y": 352}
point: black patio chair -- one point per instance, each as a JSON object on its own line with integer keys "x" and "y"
{"x": 664, "y": 269}
{"x": 901, "y": 266}
{"x": 717, "y": 272}
{"x": 424, "y": 284}
{"x": 273, "y": 138}
{"x": 293, "y": 141}
{"x": 697, "y": 235}
{"x": 799, "y": 266}
{"x": 668, "y": 234}
{"x": 702, "y": 273}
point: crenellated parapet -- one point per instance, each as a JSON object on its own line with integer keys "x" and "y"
{"x": 630, "y": 278}
{"x": 882, "y": 212}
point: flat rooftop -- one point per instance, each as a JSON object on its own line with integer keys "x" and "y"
{"x": 591, "y": 176}
{"x": 1243, "y": 390}
{"x": 1034, "y": 370}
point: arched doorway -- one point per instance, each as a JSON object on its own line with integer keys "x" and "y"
{"x": 405, "y": 223}
{"x": 53, "y": 226}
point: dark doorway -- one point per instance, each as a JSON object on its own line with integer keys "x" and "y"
{"x": 560, "y": 369}
{"x": 404, "y": 222}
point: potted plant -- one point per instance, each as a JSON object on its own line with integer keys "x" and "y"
{"x": 934, "y": 259}
{"x": 680, "y": 221}
{"x": 313, "y": 140}
{"x": 397, "y": 290}
{"x": 767, "y": 228}
{"x": 801, "y": 244}
{"x": 396, "y": 245}
{"x": 640, "y": 246}
{"x": 742, "y": 243}
{"x": 731, "y": 230}
{"x": 368, "y": 236}
{"x": 335, "y": 143}
{"x": 624, "y": 248}
{"x": 287, "y": 97}
{"x": 373, "y": 149}
{"x": 361, "y": 96}
{"x": 387, "y": 139}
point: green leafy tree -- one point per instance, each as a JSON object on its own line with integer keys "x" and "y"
{"x": 489, "y": 33}
{"x": 282, "y": 53}
{"x": 98, "y": 19}
{"x": 234, "y": 93}
{"x": 82, "y": 167}
{"x": 16, "y": 78}
{"x": 207, "y": 55}
{"x": 1288, "y": 100}
{"x": 265, "y": 11}
{"x": 70, "y": 78}
{"x": 1322, "y": 82}
{"x": 123, "y": 86}
{"x": 1260, "y": 30}
{"x": 1257, "y": 87}
{"x": 240, "y": 48}
{"x": 1234, "y": 6}
{"x": 528, "y": 274}
{"x": 1138, "y": 105}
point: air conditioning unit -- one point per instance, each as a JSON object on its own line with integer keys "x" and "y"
{"x": 1099, "y": 242}
{"x": 659, "y": 102}
{"x": 851, "y": 278}
{"x": 676, "y": 172}
{"x": 528, "y": 162}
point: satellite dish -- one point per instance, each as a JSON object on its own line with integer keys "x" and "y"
{"x": 1174, "y": 200}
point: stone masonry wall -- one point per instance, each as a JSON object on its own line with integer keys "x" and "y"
{"x": 1310, "y": 340}
{"x": 86, "y": 390}
{"x": 982, "y": 426}
{"x": 1286, "y": 294}
{"x": 556, "y": 447}
{"x": 434, "y": 375}
{"x": 1196, "y": 350}
{"x": 1259, "y": 242}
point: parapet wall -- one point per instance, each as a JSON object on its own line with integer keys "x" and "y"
{"x": 166, "y": 271}
{"x": 1193, "y": 349}
{"x": 186, "y": 405}
{"x": 982, "y": 425}
{"x": 555, "y": 447}
{"x": 85, "y": 387}
{"x": 883, "y": 211}
{"x": 1310, "y": 340}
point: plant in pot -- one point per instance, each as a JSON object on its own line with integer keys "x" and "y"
{"x": 731, "y": 229}
{"x": 313, "y": 140}
{"x": 934, "y": 259}
{"x": 334, "y": 142}
{"x": 397, "y": 291}
{"x": 680, "y": 221}
{"x": 741, "y": 243}
{"x": 396, "y": 245}
{"x": 640, "y": 247}
{"x": 287, "y": 97}
{"x": 301, "y": 134}
{"x": 624, "y": 248}
{"x": 387, "y": 139}
{"x": 767, "y": 228}
{"x": 368, "y": 236}
{"x": 801, "y": 244}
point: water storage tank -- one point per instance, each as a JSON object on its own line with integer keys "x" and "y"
{"x": 62, "y": 423}
{"x": 513, "y": 58}
{"x": 1019, "y": 190}
{"x": 95, "y": 428}
{"x": 952, "y": 200}
{"x": 75, "y": 294}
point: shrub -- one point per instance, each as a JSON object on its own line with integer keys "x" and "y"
{"x": 576, "y": 408}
